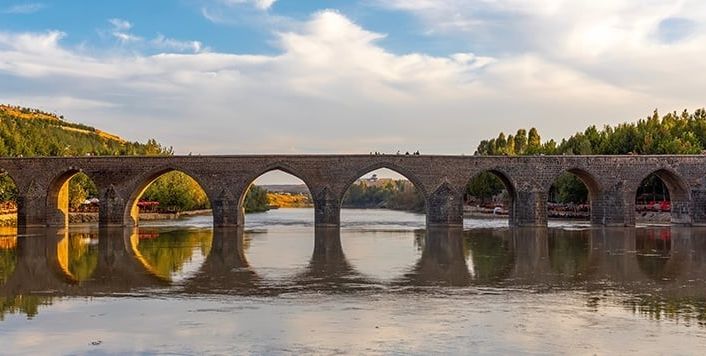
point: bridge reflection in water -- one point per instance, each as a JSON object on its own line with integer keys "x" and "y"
{"x": 659, "y": 271}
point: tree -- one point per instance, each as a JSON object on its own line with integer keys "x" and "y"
{"x": 81, "y": 187}
{"x": 176, "y": 191}
{"x": 484, "y": 186}
{"x": 549, "y": 147}
{"x": 483, "y": 148}
{"x": 521, "y": 141}
{"x": 77, "y": 195}
{"x": 256, "y": 200}
{"x": 534, "y": 142}
{"x": 500, "y": 144}
{"x": 570, "y": 189}
{"x": 8, "y": 189}
{"x": 397, "y": 195}
{"x": 510, "y": 146}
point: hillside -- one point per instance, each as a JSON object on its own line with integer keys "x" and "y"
{"x": 286, "y": 188}
{"x": 289, "y": 200}
{"x": 26, "y": 132}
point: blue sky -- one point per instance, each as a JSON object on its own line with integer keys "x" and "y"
{"x": 291, "y": 76}
{"x": 222, "y": 26}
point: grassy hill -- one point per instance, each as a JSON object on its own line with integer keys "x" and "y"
{"x": 26, "y": 132}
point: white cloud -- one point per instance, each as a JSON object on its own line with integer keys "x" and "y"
{"x": 333, "y": 88}
{"x": 165, "y": 43}
{"x": 589, "y": 35}
{"x": 126, "y": 37}
{"x": 120, "y": 30}
{"x": 259, "y": 4}
{"x": 120, "y": 24}
{"x": 24, "y": 9}
{"x": 254, "y": 13}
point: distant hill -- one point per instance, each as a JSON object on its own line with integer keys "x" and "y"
{"x": 286, "y": 188}
{"x": 26, "y": 132}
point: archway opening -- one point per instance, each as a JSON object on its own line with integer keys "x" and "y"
{"x": 171, "y": 195}
{"x": 8, "y": 205}
{"x": 278, "y": 216}
{"x": 662, "y": 197}
{"x": 276, "y": 198}
{"x": 72, "y": 199}
{"x": 83, "y": 200}
{"x": 383, "y": 196}
{"x": 489, "y": 194}
{"x": 570, "y": 196}
{"x": 382, "y": 211}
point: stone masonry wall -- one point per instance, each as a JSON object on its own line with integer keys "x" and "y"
{"x": 612, "y": 183}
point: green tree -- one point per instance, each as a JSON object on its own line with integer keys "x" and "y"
{"x": 534, "y": 142}
{"x": 81, "y": 187}
{"x": 256, "y": 200}
{"x": 484, "y": 186}
{"x": 569, "y": 189}
{"x": 510, "y": 150}
{"x": 521, "y": 141}
{"x": 500, "y": 144}
{"x": 8, "y": 189}
{"x": 176, "y": 191}
{"x": 673, "y": 133}
{"x": 397, "y": 195}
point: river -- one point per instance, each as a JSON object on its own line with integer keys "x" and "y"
{"x": 382, "y": 284}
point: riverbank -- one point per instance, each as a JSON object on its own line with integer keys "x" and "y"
{"x": 92, "y": 218}
{"x": 7, "y": 220}
{"x": 641, "y": 217}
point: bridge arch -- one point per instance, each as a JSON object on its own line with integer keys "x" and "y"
{"x": 282, "y": 167}
{"x": 58, "y": 195}
{"x": 279, "y": 166}
{"x": 592, "y": 184}
{"x": 357, "y": 174}
{"x": 397, "y": 189}
{"x": 8, "y": 192}
{"x": 677, "y": 189}
{"x": 486, "y": 177}
{"x": 131, "y": 213}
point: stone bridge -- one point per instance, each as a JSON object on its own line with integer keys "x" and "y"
{"x": 612, "y": 182}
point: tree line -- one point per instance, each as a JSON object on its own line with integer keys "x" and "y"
{"x": 673, "y": 133}
{"x": 394, "y": 194}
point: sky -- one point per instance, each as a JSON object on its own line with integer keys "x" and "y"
{"x": 292, "y": 76}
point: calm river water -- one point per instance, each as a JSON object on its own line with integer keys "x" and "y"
{"x": 381, "y": 285}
